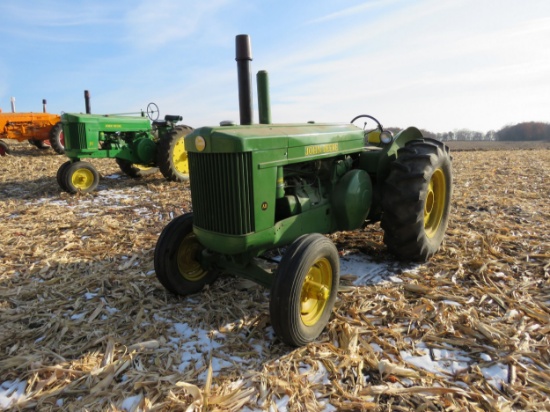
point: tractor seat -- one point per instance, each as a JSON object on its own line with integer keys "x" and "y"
{"x": 172, "y": 118}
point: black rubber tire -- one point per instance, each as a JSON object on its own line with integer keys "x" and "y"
{"x": 133, "y": 170}
{"x": 417, "y": 200}
{"x": 60, "y": 174}
{"x": 288, "y": 302}
{"x": 176, "y": 266}
{"x": 40, "y": 144}
{"x": 4, "y": 148}
{"x": 171, "y": 145}
{"x": 57, "y": 139}
{"x": 79, "y": 177}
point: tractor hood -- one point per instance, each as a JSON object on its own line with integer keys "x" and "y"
{"x": 107, "y": 123}
{"x": 301, "y": 140}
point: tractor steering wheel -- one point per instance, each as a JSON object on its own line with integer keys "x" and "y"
{"x": 370, "y": 117}
{"x": 152, "y": 111}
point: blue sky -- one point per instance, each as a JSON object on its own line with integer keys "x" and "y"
{"x": 438, "y": 65}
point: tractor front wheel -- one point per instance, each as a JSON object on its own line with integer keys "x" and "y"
{"x": 176, "y": 259}
{"x": 304, "y": 289}
{"x": 40, "y": 144}
{"x": 135, "y": 170}
{"x": 4, "y": 148}
{"x": 417, "y": 200}
{"x": 57, "y": 138}
{"x": 172, "y": 157}
{"x": 78, "y": 177}
{"x": 60, "y": 174}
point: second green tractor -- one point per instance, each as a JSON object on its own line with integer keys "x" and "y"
{"x": 140, "y": 146}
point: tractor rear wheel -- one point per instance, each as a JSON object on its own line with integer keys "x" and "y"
{"x": 176, "y": 258}
{"x": 417, "y": 200}
{"x": 304, "y": 289}
{"x": 4, "y": 148}
{"x": 79, "y": 177}
{"x": 57, "y": 139}
{"x": 135, "y": 170}
{"x": 172, "y": 157}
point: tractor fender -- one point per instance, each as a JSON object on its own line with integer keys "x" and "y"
{"x": 389, "y": 153}
{"x": 352, "y": 199}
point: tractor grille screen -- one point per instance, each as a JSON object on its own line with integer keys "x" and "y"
{"x": 77, "y": 136}
{"x": 221, "y": 191}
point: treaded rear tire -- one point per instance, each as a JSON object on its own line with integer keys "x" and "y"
{"x": 57, "y": 140}
{"x": 133, "y": 170}
{"x": 172, "y": 157}
{"x": 417, "y": 199}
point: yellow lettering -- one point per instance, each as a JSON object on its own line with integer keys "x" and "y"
{"x": 321, "y": 149}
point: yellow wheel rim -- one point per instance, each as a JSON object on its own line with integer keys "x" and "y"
{"x": 315, "y": 292}
{"x": 190, "y": 269}
{"x": 179, "y": 157}
{"x": 82, "y": 179}
{"x": 434, "y": 206}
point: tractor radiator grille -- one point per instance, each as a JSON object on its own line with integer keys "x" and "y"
{"x": 77, "y": 136}
{"x": 221, "y": 191}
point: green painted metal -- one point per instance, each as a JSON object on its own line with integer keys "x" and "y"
{"x": 264, "y": 105}
{"x": 129, "y": 138}
{"x": 352, "y": 199}
{"x": 104, "y": 136}
{"x": 238, "y": 184}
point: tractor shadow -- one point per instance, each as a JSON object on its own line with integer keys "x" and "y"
{"x": 46, "y": 187}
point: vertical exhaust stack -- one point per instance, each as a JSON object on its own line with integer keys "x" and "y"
{"x": 12, "y": 100}
{"x": 43, "y": 105}
{"x": 244, "y": 57}
{"x": 87, "y": 101}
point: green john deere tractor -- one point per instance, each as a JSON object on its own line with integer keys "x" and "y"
{"x": 140, "y": 145}
{"x": 257, "y": 187}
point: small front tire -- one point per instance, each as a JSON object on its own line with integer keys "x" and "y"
{"x": 304, "y": 289}
{"x": 176, "y": 258}
{"x": 60, "y": 174}
{"x": 79, "y": 177}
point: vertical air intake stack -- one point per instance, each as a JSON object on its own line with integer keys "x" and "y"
{"x": 244, "y": 57}
{"x": 87, "y": 101}
{"x": 43, "y": 105}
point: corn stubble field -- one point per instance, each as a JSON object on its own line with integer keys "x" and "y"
{"x": 85, "y": 325}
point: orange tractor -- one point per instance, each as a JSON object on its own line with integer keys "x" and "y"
{"x": 42, "y": 130}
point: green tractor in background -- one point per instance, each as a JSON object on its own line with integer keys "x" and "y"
{"x": 256, "y": 188}
{"x": 140, "y": 145}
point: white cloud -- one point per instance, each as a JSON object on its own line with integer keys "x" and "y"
{"x": 158, "y": 23}
{"x": 438, "y": 65}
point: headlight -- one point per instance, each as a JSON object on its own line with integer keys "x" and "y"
{"x": 386, "y": 137}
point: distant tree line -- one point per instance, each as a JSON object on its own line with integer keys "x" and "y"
{"x": 518, "y": 132}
